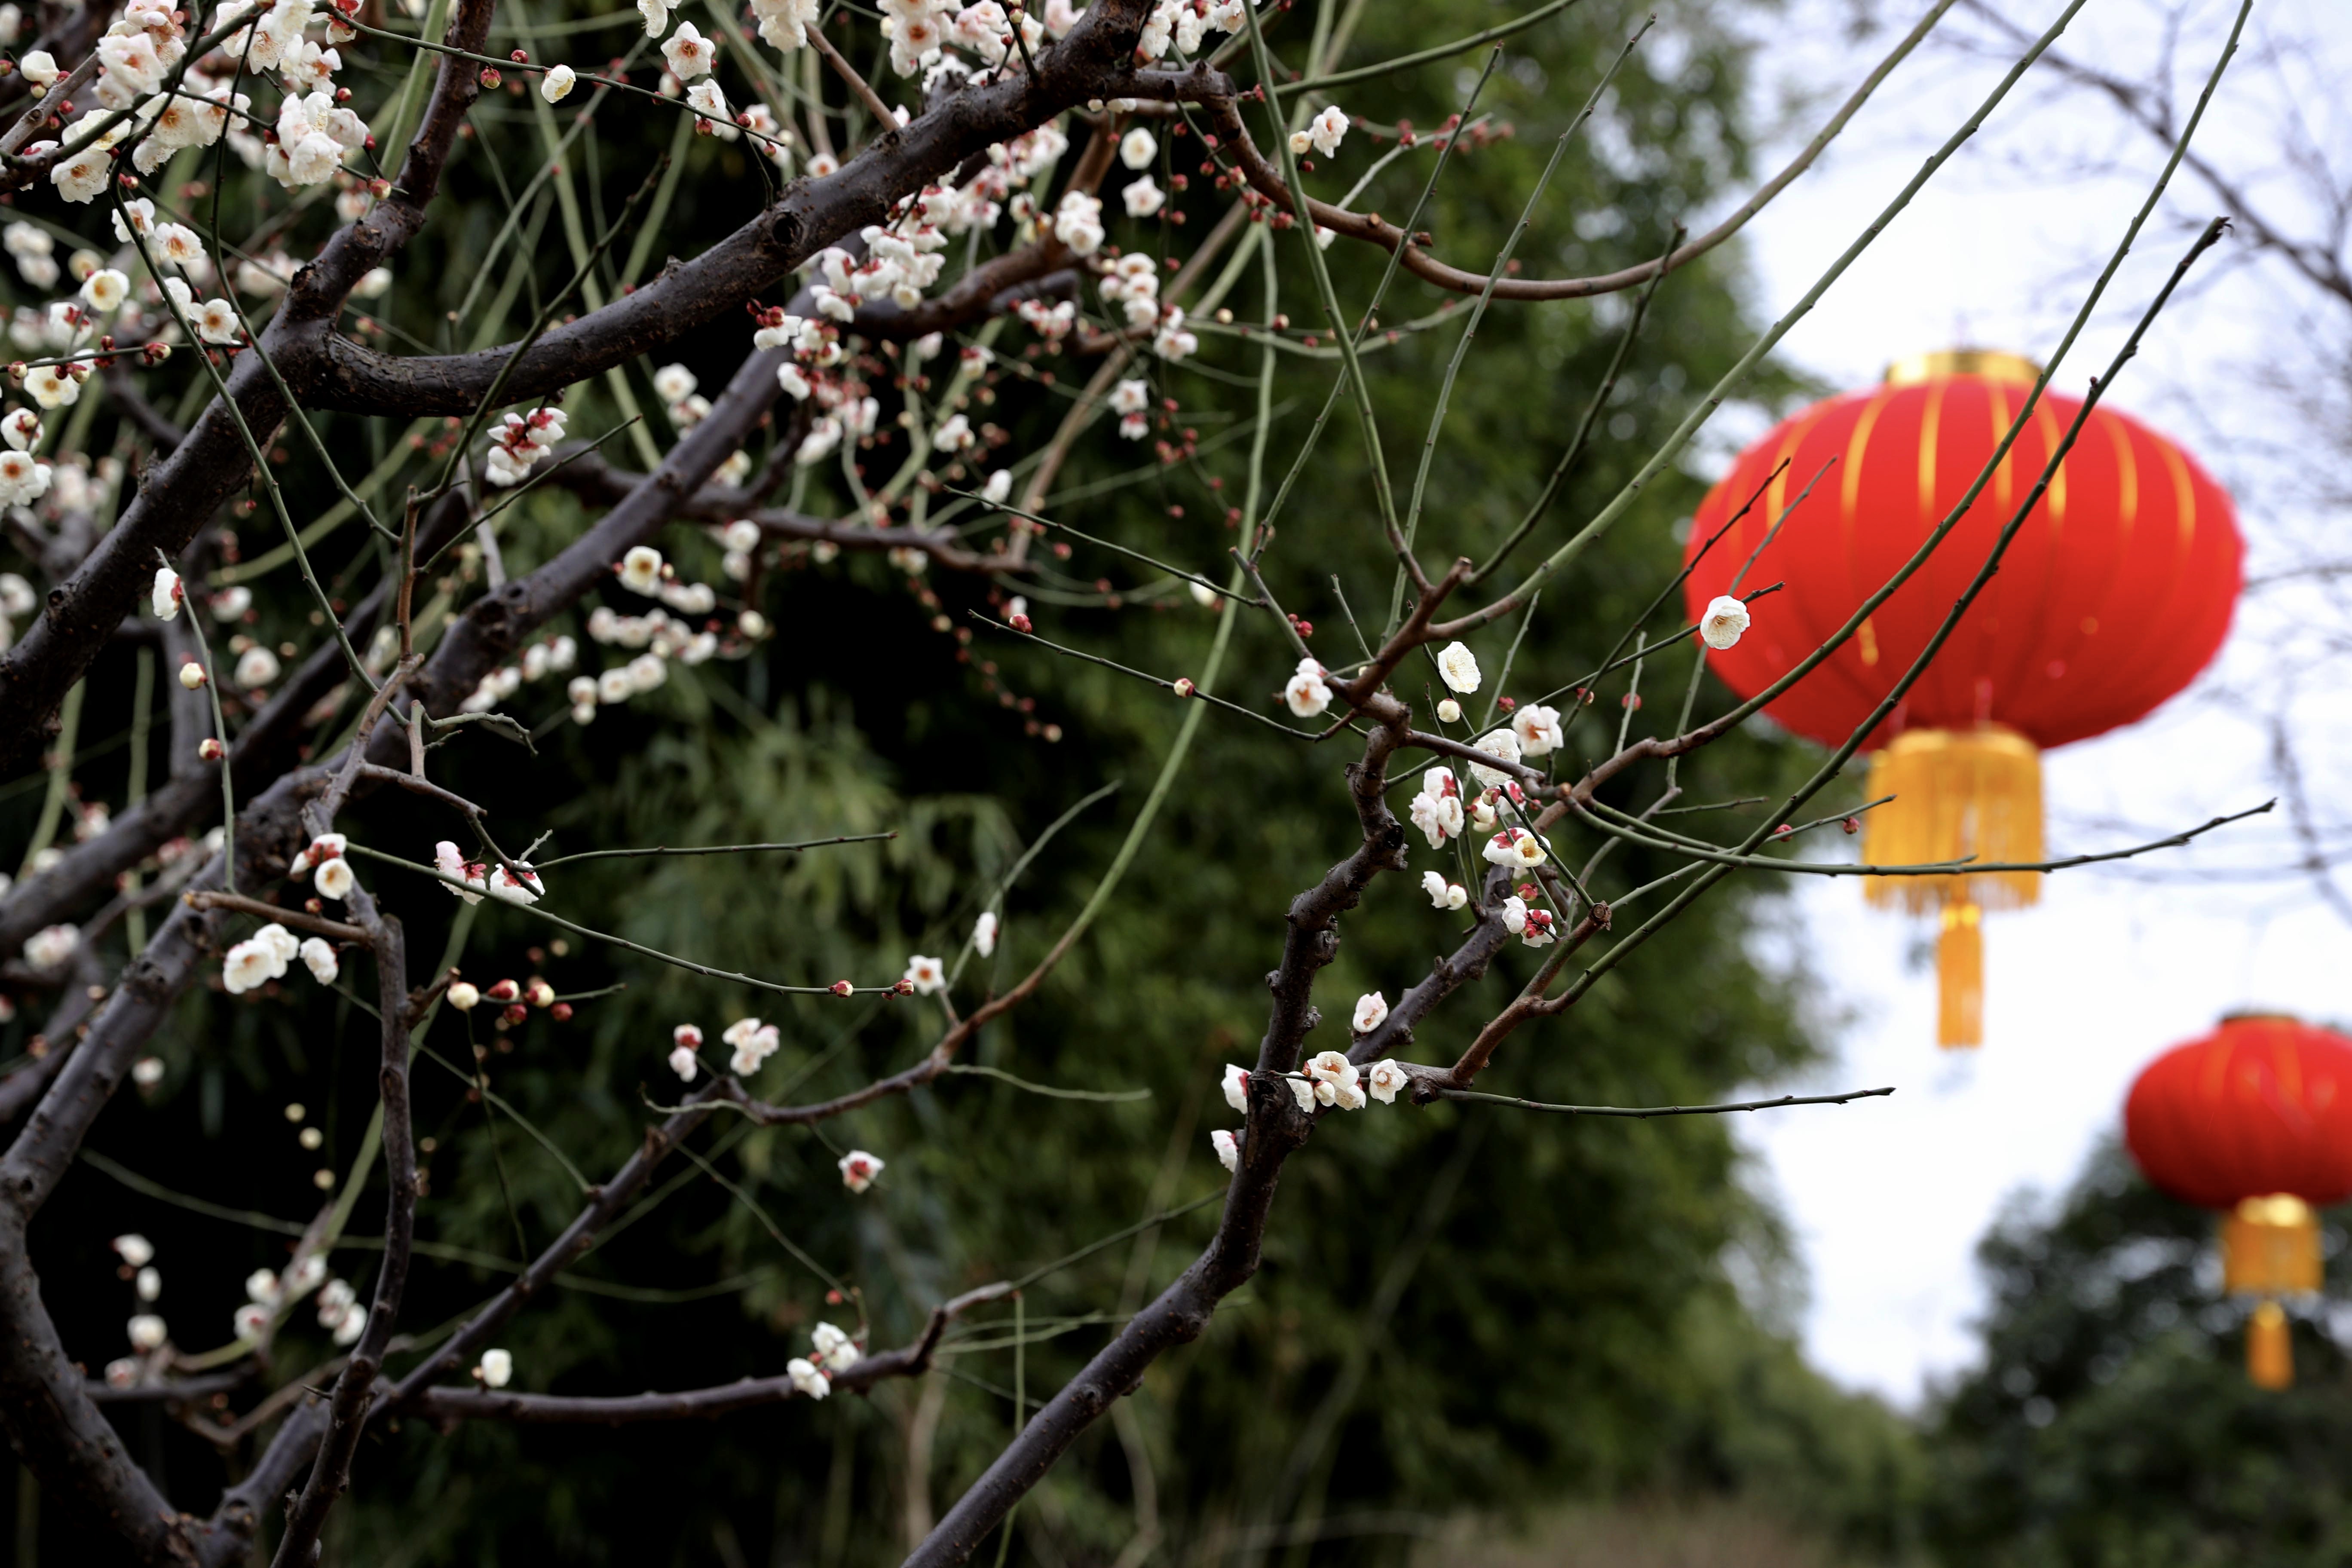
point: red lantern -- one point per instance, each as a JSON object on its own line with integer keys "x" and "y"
{"x": 2116, "y": 593}
{"x": 2255, "y": 1120}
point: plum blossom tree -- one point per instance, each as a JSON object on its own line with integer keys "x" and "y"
{"x": 896, "y": 234}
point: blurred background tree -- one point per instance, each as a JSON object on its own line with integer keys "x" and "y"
{"x": 2112, "y": 1420}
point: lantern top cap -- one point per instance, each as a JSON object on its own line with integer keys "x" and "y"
{"x": 2279, "y": 1209}
{"x": 2260, "y": 1016}
{"x": 1992, "y": 363}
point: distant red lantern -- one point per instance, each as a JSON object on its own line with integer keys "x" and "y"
{"x": 2255, "y": 1120}
{"x": 2116, "y": 592}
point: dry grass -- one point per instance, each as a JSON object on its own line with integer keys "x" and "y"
{"x": 1677, "y": 1533}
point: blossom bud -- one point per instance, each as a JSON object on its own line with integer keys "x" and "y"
{"x": 1852, "y": 824}
{"x": 561, "y": 1012}
{"x": 463, "y": 995}
{"x": 516, "y": 1013}
{"x": 191, "y": 676}
{"x": 1450, "y": 711}
{"x": 904, "y": 987}
{"x": 541, "y": 994}
{"x": 504, "y": 991}
{"x": 1019, "y": 623}
{"x": 210, "y": 750}
{"x": 1184, "y": 686}
{"x": 841, "y": 988}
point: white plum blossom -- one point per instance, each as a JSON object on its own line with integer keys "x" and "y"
{"x": 754, "y": 1043}
{"x": 506, "y": 887}
{"x": 1384, "y": 1078}
{"x": 1516, "y": 847}
{"x": 1138, "y": 148}
{"x": 1537, "y": 728}
{"x": 1437, "y": 809}
{"x": 52, "y": 945}
{"x": 496, "y": 1369}
{"x": 105, "y": 289}
{"x": 21, "y": 429}
{"x": 1128, "y": 400}
{"x": 215, "y": 321}
{"x": 1228, "y": 1148}
{"x": 256, "y": 665}
{"x": 556, "y": 85}
{"x": 1498, "y": 743}
{"x": 1531, "y": 926}
{"x": 1306, "y": 691}
{"x": 455, "y": 866}
{"x": 834, "y": 1350}
{"x": 984, "y": 933}
{"x": 22, "y": 481}
{"x": 1173, "y": 342}
{"x": 1078, "y": 222}
{"x": 1372, "y": 1011}
{"x": 53, "y": 387}
{"x": 656, "y": 16}
{"x": 258, "y": 960}
{"x": 682, "y": 1062}
{"x": 164, "y": 598}
{"x": 641, "y": 569}
{"x": 1142, "y": 197}
{"x": 858, "y": 1170}
{"x": 806, "y": 1378}
{"x": 1335, "y": 1080}
{"x": 263, "y": 1288}
{"x": 1458, "y": 667}
{"x": 707, "y": 101}
{"x": 319, "y": 957}
{"x": 1236, "y": 1083}
{"x": 1724, "y": 623}
{"x": 927, "y": 975}
{"x": 335, "y": 879}
{"x": 1323, "y": 132}
{"x": 146, "y": 1332}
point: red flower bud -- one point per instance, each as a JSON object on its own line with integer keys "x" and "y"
{"x": 504, "y": 991}
{"x": 841, "y": 988}
{"x": 209, "y": 750}
{"x": 1019, "y": 623}
{"x": 561, "y": 1012}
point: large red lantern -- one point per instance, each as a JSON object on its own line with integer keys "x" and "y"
{"x": 2254, "y": 1119}
{"x": 2116, "y": 593}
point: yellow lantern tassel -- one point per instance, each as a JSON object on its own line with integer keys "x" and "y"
{"x": 1960, "y": 978}
{"x": 2269, "y": 1245}
{"x": 1958, "y": 795}
{"x": 2270, "y": 1348}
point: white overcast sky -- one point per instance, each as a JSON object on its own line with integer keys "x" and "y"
{"x": 1888, "y": 1198}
